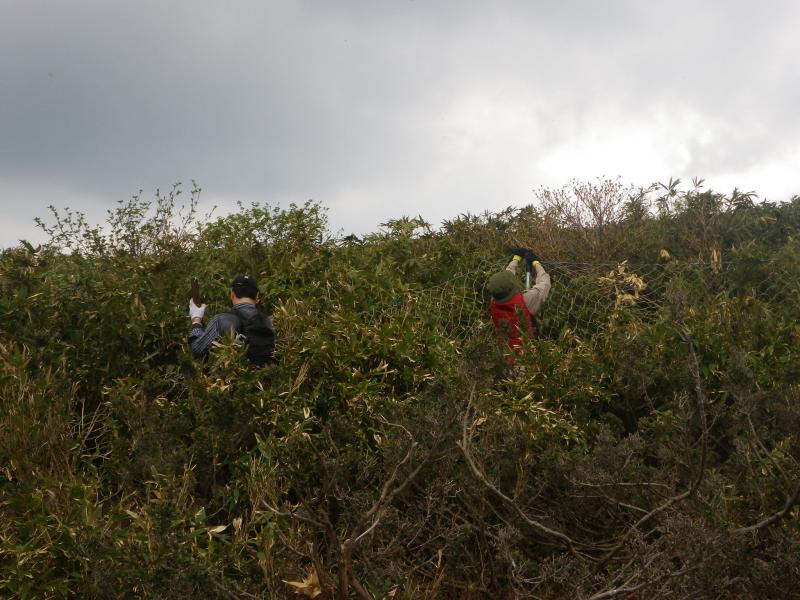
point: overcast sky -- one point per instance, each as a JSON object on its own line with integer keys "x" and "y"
{"x": 379, "y": 109}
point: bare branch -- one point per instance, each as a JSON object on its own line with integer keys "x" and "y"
{"x": 763, "y": 448}
{"x": 694, "y": 370}
{"x": 291, "y": 515}
{"x": 791, "y": 501}
{"x": 618, "y": 484}
{"x": 628, "y": 587}
{"x": 389, "y": 490}
{"x": 620, "y": 590}
{"x": 464, "y": 444}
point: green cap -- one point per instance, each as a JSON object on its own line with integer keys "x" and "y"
{"x": 503, "y": 286}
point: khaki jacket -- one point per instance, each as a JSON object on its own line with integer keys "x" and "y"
{"x": 536, "y": 295}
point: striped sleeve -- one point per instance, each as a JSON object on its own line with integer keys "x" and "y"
{"x": 202, "y": 338}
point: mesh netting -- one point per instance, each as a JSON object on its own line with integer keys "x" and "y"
{"x": 585, "y": 296}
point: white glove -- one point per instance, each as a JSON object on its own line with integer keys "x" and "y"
{"x": 196, "y": 312}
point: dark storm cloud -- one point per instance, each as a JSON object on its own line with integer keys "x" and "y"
{"x": 380, "y": 108}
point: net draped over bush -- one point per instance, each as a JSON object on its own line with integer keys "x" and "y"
{"x": 644, "y": 442}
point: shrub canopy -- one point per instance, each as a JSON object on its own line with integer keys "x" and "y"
{"x": 645, "y": 441}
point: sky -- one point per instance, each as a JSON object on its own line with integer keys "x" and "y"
{"x": 383, "y": 108}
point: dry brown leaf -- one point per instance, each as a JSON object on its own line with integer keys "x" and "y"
{"x": 309, "y": 587}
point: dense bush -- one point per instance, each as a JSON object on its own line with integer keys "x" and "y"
{"x": 642, "y": 446}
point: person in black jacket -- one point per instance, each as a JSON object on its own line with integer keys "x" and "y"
{"x": 250, "y": 326}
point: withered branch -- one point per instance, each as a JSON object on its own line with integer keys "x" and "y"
{"x": 370, "y": 520}
{"x": 791, "y": 501}
{"x": 694, "y": 371}
{"x": 464, "y": 444}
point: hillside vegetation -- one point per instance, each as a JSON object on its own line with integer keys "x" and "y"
{"x": 644, "y": 446}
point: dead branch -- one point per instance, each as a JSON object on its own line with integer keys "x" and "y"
{"x": 694, "y": 370}
{"x": 464, "y": 444}
{"x": 612, "y": 501}
{"x": 322, "y": 575}
{"x": 620, "y": 590}
{"x": 617, "y": 484}
{"x": 291, "y": 515}
{"x": 238, "y": 594}
{"x": 389, "y": 491}
{"x": 766, "y": 452}
{"x": 628, "y": 587}
{"x": 791, "y": 501}
{"x": 366, "y": 524}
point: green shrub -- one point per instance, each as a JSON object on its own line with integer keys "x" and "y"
{"x": 646, "y": 439}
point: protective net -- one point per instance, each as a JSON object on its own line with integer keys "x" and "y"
{"x": 585, "y": 297}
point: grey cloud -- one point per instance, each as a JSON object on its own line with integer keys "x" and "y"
{"x": 290, "y": 100}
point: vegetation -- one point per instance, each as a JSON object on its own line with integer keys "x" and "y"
{"x": 644, "y": 446}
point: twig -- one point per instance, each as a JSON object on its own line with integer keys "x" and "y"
{"x": 618, "y": 484}
{"x": 374, "y": 514}
{"x": 240, "y": 593}
{"x": 614, "y": 501}
{"x": 626, "y": 588}
{"x": 292, "y": 515}
{"x": 477, "y": 471}
{"x": 620, "y": 590}
{"x": 766, "y": 452}
{"x": 322, "y": 576}
{"x": 774, "y": 518}
{"x": 694, "y": 370}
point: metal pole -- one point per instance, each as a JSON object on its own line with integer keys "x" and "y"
{"x": 527, "y": 273}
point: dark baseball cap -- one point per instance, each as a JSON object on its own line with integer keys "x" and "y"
{"x": 245, "y": 286}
